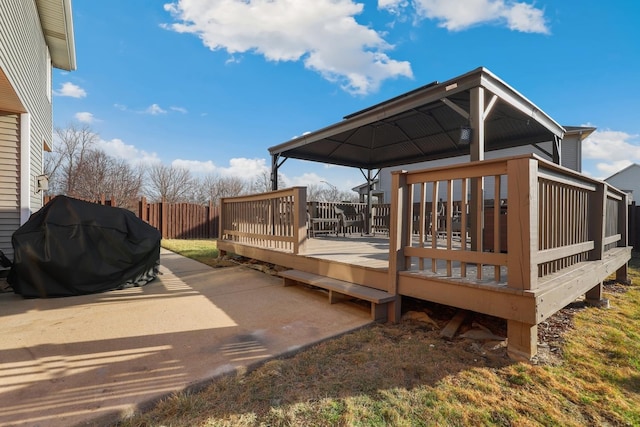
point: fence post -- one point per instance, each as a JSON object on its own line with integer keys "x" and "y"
{"x": 163, "y": 220}
{"x": 210, "y": 220}
{"x": 143, "y": 213}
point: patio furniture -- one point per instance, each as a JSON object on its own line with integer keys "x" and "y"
{"x": 317, "y": 225}
{"x": 349, "y": 218}
{"x": 381, "y": 224}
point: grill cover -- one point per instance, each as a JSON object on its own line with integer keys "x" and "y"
{"x": 71, "y": 247}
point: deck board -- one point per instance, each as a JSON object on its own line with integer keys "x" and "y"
{"x": 366, "y": 251}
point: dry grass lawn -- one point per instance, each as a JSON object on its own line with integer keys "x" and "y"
{"x": 406, "y": 375}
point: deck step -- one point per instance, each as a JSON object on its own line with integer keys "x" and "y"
{"x": 339, "y": 290}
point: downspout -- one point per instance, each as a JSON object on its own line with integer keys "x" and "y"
{"x": 25, "y": 167}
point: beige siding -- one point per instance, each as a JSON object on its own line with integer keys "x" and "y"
{"x": 23, "y": 59}
{"x": 9, "y": 183}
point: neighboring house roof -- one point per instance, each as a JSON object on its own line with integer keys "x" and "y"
{"x": 57, "y": 26}
{"x": 364, "y": 187}
{"x": 582, "y": 131}
{"x": 425, "y": 124}
{"x": 623, "y": 171}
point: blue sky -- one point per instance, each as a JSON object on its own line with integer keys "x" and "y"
{"x": 212, "y": 84}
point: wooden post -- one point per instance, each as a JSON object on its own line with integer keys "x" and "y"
{"x": 598, "y": 213}
{"x": 522, "y": 223}
{"x": 210, "y": 229}
{"x": 299, "y": 219}
{"x": 164, "y": 223}
{"x": 400, "y": 224}
{"x": 633, "y": 234}
{"x": 522, "y": 340}
{"x": 594, "y": 295}
{"x": 221, "y": 219}
{"x": 622, "y": 274}
{"x": 142, "y": 209}
{"x": 477, "y": 149}
{"x": 522, "y": 232}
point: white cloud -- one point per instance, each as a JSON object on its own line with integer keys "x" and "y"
{"x": 117, "y": 148}
{"x": 323, "y": 34}
{"x": 247, "y": 168}
{"x": 84, "y": 117}
{"x": 195, "y": 166}
{"x": 238, "y": 167}
{"x": 71, "y": 90}
{"x": 608, "y": 151}
{"x": 461, "y": 14}
{"x": 305, "y": 180}
{"x": 612, "y": 146}
{"x": 154, "y": 110}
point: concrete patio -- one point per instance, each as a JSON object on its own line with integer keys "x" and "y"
{"x": 92, "y": 359}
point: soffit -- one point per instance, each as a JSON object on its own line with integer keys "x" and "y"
{"x": 57, "y": 26}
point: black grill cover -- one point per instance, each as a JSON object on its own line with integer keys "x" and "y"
{"x": 72, "y": 247}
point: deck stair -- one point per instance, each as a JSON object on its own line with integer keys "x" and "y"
{"x": 340, "y": 290}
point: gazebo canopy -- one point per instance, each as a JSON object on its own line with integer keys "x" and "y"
{"x": 425, "y": 124}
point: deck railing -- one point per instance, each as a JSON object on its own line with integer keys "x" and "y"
{"x": 507, "y": 222}
{"x": 274, "y": 220}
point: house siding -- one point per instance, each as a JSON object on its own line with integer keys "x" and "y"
{"x": 627, "y": 180}
{"x": 24, "y": 61}
{"x": 571, "y": 154}
{"x": 9, "y": 190}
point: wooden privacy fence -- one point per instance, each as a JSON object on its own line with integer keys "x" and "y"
{"x": 181, "y": 220}
{"x": 634, "y": 226}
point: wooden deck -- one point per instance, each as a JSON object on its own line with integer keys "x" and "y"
{"x": 558, "y": 236}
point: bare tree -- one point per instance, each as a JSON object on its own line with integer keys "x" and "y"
{"x": 64, "y": 163}
{"x": 329, "y": 193}
{"x": 102, "y": 175}
{"x": 126, "y": 183}
{"x": 262, "y": 183}
{"x": 315, "y": 193}
{"x": 214, "y": 187}
{"x": 91, "y": 175}
{"x": 169, "y": 183}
